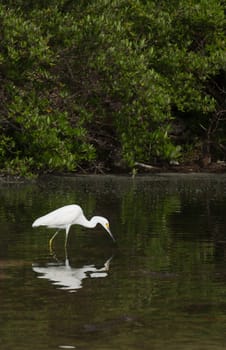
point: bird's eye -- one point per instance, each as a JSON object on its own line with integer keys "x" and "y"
{"x": 107, "y": 225}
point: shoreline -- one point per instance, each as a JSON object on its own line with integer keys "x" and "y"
{"x": 146, "y": 170}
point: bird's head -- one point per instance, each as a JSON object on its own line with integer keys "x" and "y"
{"x": 105, "y": 223}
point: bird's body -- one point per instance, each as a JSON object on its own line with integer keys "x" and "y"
{"x": 65, "y": 217}
{"x": 61, "y": 218}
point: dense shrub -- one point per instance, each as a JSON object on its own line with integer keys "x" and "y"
{"x": 85, "y": 84}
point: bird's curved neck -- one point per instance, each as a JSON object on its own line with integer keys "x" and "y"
{"x": 90, "y": 223}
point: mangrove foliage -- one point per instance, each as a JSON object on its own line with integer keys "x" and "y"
{"x": 102, "y": 85}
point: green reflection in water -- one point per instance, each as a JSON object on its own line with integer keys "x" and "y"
{"x": 165, "y": 286}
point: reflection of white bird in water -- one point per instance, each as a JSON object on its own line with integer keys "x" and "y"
{"x": 68, "y": 278}
{"x": 65, "y": 217}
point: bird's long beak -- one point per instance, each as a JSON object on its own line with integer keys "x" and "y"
{"x": 108, "y": 229}
{"x": 111, "y": 235}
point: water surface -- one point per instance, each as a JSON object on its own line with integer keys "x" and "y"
{"x": 163, "y": 285}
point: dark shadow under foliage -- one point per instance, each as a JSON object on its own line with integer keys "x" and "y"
{"x": 101, "y": 85}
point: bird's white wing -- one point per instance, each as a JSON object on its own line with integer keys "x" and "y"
{"x": 61, "y": 217}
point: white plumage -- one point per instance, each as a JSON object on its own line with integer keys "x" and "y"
{"x": 65, "y": 217}
{"x": 61, "y": 217}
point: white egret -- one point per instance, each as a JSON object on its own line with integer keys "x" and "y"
{"x": 65, "y": 217}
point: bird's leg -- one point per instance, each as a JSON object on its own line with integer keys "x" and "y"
{"x": 66, "y": 237}
{"x": 51, "y": 240}
{"x": 65, "y": 243}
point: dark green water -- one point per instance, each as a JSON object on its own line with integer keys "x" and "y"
{"x": 163, "y": 286}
